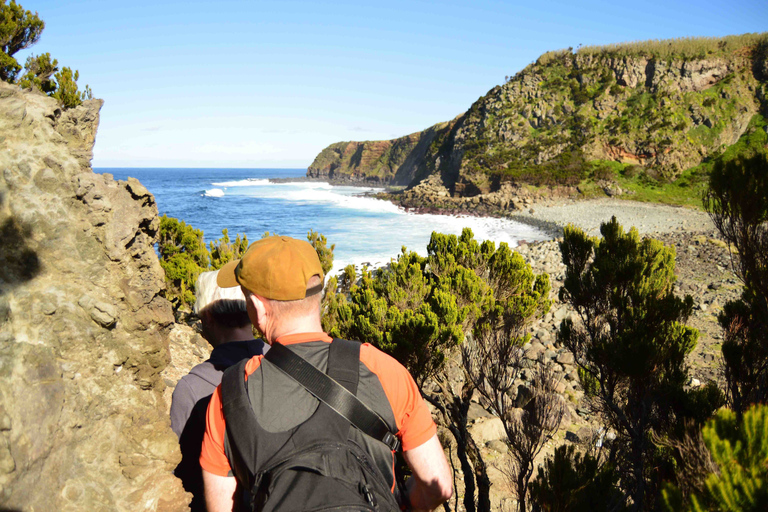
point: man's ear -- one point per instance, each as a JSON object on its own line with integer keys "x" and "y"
{"x": 262, "y": 309}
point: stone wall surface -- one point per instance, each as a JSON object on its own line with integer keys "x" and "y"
{"x": 83, "y": 328}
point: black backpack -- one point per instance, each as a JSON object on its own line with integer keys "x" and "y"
{"x": 317, "y": 466}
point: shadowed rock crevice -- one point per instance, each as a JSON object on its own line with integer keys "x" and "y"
{"x": 18, "y": 262}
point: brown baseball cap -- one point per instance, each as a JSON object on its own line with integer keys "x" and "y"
{"x": 276, "y": 267}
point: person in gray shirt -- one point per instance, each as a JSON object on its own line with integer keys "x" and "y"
{"x": 226, "y": 326}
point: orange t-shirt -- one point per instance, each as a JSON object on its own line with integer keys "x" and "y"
{"x": 414, "y": 422}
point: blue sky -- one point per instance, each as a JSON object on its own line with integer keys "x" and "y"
{"x": 270, "y": 84}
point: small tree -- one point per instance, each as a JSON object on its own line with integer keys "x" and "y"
{"x": 739, "y": 448}
{"x": 630, "y": 344}
{"x": 19, "y": 29}
{"x": 493, "y": 359}
{"x": 737, "y": 201}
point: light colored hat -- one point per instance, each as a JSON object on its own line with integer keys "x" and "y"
{"x": 207, "y": 292}
{"x": 276, "y": 267}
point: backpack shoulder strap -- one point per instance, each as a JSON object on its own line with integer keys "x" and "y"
{"x": 240, "y": 420}
{"x": 330, "y": 392}
{"x": 344, "y": 363}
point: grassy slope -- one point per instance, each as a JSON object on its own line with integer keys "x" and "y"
{"x": 687, "y": 189}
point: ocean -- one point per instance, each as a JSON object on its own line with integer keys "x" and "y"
{"x": 365, "y": 230}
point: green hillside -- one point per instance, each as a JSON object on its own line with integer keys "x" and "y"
{"x": 642, "y": 115}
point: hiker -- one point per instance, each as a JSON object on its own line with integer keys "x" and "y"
{"x": 226, "y": 326}
{"x": 289, "y": 449}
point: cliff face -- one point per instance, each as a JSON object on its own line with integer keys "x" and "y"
{"x": 395, "y": 162}
{"x": 666, "y": 106}
{"x": 83, "y": 329}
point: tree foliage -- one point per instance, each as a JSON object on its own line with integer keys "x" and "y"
{"x": 324, "y": 253}
{"x": 737, "y": 200}
{"x": 39, "y": 73}
{"x": 572, "y": 482}
{"x": 630, "y": 345}
{"x": 20, "y": 29}
{"x": 223, "y": 250}
{"x": 493, "y": 360}
{"x": 419, "y": 309}
{"x": 739, "y": 448}
{"x": 183, "y": 256}
{"x": 66, "y": 88}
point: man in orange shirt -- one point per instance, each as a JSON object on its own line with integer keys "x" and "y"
{"x": 282, "y": 280}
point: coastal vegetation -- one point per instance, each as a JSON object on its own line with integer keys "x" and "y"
{"x": 19, "y": 30}
{"x": 465, "y": 298}
{"x": 184, "y": 256}
{"x": 460, "y": 320}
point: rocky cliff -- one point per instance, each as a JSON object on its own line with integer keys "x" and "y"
{"x": 83, "y": 329}
{"x": 666, "y": 106}
{"x": 394, "y": 162}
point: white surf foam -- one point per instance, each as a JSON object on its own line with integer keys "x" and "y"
{"x": 355, "y": 202}
{"x": 214, "y": 192}
{"x": 414, "y": 230}
{"x": 250, "y": 182}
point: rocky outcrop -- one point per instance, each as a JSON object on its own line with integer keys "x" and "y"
{"x": 666, "y": 106}
{"x": 432, "y": 196}
{"x": 382, "y": 162}
{"x": 83, "y": 328}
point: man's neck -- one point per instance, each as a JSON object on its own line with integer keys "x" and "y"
{"x": 297, "y": 326}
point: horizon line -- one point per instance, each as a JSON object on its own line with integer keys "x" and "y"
{"x": 201, "y": 168}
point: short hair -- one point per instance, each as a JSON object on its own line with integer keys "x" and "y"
{"x": 225, "y": 305}
{"x": 302, "y": 307}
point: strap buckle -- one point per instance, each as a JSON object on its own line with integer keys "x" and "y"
{"x": 392, "y": 441}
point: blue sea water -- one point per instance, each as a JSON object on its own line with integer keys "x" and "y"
{"x": 364, "y": 229}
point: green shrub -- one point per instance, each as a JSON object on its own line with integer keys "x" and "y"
{"x": 571, "y": 482}
{"x": 223, "y": 250}
{"x": 739, "y": 448}
{"x": 39, "y": 73}
{"x": 632, "y": 345}
{"x": 568, "y": 168}
{"x": 67, "y": 92}
{"x": 418, "y": 309}
{"x": 737, "y": 199}
{"x": 632, "y": 171}
{"x": 184, "y": 257}
{"x": 603, "y": 172}
{"x": 324, "y": 253}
